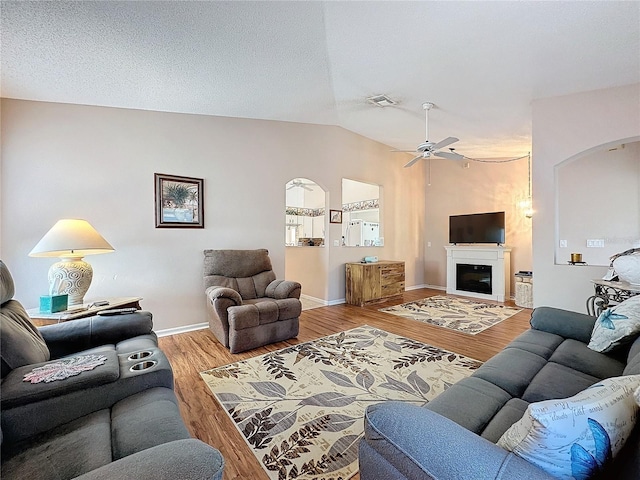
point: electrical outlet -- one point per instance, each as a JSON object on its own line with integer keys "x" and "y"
{"x": 336, "y": 243}
{"x": 428, "y": 244}
{"x": 595, "y": 243}
{"x": 563, "y": 244}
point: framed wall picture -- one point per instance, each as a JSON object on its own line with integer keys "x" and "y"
{"x": 335, "y": 216}
{"x": 179, "y": 201}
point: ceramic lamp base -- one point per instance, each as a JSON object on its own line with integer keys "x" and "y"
{"x": 73, "y": 277}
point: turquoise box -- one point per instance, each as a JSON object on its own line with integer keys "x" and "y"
{"x": 53, "y": 303}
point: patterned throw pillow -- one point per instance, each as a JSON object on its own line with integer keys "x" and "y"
{"x": 616, "y": 326}
{"x": 574, "y": 437}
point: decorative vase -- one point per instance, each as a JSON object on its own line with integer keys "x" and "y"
{"x": 628, "y": 268}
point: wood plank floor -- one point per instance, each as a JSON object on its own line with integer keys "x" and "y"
{"x": 193, "y": 352}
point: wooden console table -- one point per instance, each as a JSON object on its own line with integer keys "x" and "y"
{"x": 373, "y": 282}
{"x": 40, "y": 319}
{"x": 608, "y": 294}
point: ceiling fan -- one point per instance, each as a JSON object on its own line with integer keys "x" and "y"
{"x": 297, "y": 183}
{"x": 429, "y": 149}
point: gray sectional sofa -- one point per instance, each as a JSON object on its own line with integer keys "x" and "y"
{"x": 116, "y": 420}
{"x": 454, "y": 436}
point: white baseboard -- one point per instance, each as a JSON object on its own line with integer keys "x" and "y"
{"x": 424, "y": 285}
{"x": 314, "y": 299}
{"x": 324, "y": 302}
{"x": 176, "y": 330}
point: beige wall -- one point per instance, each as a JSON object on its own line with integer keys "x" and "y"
{"x": 566, "y": 128}
{"x": 614, "y": 177}
{"x": 308, "y": 265}
{"x": 98, "y": 163}
{"x": 483, "y": 187}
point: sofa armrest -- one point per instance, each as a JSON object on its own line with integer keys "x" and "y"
{"x": 213, "y": 293}
{"x": 184, "y": 459}
{"x": 421, "y": 444}
{"x": 280, "y": 289}
{"x": 74, "y": 336}
{"x": 565, "y": 323}
{"x": 16, "y": 392}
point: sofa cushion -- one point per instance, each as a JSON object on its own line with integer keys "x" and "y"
{"x": 20, "y": 341}
{"x": 616, "y": 326}
{"x": 267, "y": 310}
{"x": 512, "y": 411}
{"x": 243, "y": 316}
{"x": 569, "y": 438}
{"x": 538, "y": 342}
{"x": 236, "y": 263}
{"x": 634, "y": 350}
{"x": 512, "y": 370}
{"x": 288, "y": 308}
{"x": 578, "y": 356}
{"x": 557, "y": 381}
{"x": 145, "y": 420}
{"x": 471, "y": 402}
{"x": 66, "y": 452}
{"x": 564, "y": 323}
{"x": 633, "y": 367}
{"x": 7, "y": 288}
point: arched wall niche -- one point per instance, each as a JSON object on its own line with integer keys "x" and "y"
{"x": 597, "y": 195}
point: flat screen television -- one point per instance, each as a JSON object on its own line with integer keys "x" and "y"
{"x": 477, "y": 228}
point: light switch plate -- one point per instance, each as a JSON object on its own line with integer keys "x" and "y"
{"x": 563, "y": 244}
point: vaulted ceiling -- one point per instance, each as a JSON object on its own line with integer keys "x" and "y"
{"x": 481, "y": 63}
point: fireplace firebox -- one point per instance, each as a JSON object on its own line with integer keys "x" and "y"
{"x": 475, "y": 259}
{"x": 473, "y": 278}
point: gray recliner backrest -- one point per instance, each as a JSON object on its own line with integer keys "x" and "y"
{"x": 20, "y": 341}
{"x": 248, "y": 272}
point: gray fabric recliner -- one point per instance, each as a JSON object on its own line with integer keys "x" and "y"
{"x": 105, "y": 423}
{"x": 247, "y": 306}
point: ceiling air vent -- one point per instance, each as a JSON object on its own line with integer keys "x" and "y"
{"x": 381, "y": 101}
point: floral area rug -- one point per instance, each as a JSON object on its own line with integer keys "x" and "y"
{"x": 301, "y": 409}
{"x": 454, "y": 313}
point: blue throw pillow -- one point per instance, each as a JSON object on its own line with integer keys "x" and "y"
{"x": 616, "y": 326}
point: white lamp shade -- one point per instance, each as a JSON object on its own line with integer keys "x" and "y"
{"x": 71, "y": 238}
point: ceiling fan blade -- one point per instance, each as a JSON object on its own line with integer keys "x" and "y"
{"x": 448, "y": 155}
{"x": 444, "y": 143}
{"x": 413, "y": 161}
{"x": 403, "y": 151}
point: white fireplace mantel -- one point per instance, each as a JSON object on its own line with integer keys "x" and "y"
{"x": 498, "y": 257}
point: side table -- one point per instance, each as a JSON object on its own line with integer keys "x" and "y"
{"x": 608, "y": 293}
{"x": 40, "y": 319}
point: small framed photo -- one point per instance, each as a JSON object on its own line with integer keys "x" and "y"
{"x": 179, "y": 201}
{"x": 335, "y": 216}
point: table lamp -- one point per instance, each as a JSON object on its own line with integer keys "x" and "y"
{"x": 71, "y": 240}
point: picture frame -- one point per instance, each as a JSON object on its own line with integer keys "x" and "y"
{"x": 335, "y": 216}
{"x": 179, "y": 201}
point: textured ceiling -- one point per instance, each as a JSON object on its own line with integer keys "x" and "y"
{"x": 481, "y": 63}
